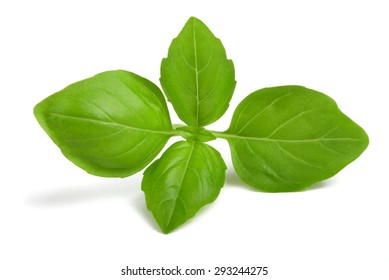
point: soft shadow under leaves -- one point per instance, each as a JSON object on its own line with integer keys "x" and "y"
{"x": 232, "y": 179}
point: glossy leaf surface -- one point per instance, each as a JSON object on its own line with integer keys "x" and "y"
{"x": 196, "y": 76}
{"x": 112, "y": 124}
{"x": 287, "y": 138}
{"x": 188, "y": 176}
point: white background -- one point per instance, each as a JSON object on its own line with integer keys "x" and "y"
{"x": 58, "y": 222}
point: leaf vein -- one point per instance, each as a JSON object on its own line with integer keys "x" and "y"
{"x": 249, "y": 138}
{"x": 113, "y": 124}
{"x": 260, "y": 112}
{"x": 287, "y": 122}
{"x": 213, "y": 86}
{"x": 208, "y": 62}
{"x": 274, "y": 173}
{"x": 297, "y": 158}
{"x": 184, "y": 59}
{"x": 182, "y": 180}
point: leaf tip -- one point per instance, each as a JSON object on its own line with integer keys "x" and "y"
{"x": 35, "y": 110}
{"x": 193, "y": 18}
{"x": 365, "y": 139}
{"x": 165, "y": 230}
{"x": 38, "y": 112}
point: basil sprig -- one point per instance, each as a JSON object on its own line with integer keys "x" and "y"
{"x": 114, "y": 124}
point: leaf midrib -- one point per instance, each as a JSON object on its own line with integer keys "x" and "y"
{"x": 196, "y": 73}
{"x": 250, "y": 138}
{"x": 180, "y": 184}
{"x": 114, "y": 124}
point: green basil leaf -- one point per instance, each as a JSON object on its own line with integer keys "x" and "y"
{"x": 287, "y": 138}
{"x": 196, "y": 76}
{"x": 110, "y": 125}
{"x": 188, "y": 176}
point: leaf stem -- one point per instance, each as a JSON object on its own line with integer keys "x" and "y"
{"x": 219, "y": 134}
{"x": 177, "y": 125}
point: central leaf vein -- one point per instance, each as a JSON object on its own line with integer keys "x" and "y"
{"x": 197, "y": 74}
{"x": 251, "y": 138}
{"x": 113, "y": 124}
{"x": 181, "y": 181}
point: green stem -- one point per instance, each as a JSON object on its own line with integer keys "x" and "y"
{"x": 219, "y": 134}
{"x": 177, "y": 125}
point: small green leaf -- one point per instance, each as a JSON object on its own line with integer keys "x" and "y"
{"x": 111, "y": 125}
{"x": 188, "y": 176}
{"x": 196, "y": 76}
{"x": 287, "y": 138}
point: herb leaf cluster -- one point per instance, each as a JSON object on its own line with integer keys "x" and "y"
{"x": 115, "y": 123}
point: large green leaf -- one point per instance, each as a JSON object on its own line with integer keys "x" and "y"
{"x": 188, "y": 176}
{"x": 196, "y": 76}
{"x": 112, "y": 124}
{"x": 287, "y": 138}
